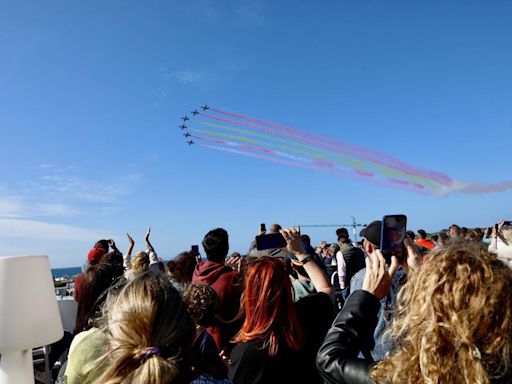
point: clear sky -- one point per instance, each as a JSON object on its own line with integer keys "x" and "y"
{"x": 91, "y": 93}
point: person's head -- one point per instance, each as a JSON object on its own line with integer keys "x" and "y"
{"x": 326, "y": 251}
{"x": 95, "y": 254}
{"x": 343, "y": 240}
{"x": 435, "y": 238}
{"x": 443, "y": 238}
{"x": 149, "y": 333}
{"x": 202, "y": 304}
{"x": 371, "y": 236}
{"x": 471, "y": 235}
{"x": 274, "y": 228}
{"x": 216, "y": 245}
{"x": 334, "y": 248}
{"x": 140, "y": 262}
{"x": 171, "y": 266}
{"x": 321, "y": 245}
{"x": 422, "y": 234}
{"x": 342, "y": 232}
{"x": 267, "y": 302}
{"x": 454, "y": 231}
{"x": 103, "y": 244}
{"x": 453, "y": 321}
{"x": 97, "y": 279}
{"x": 463, "y": 232}
{"x": 506, "y": 232}
{"x": 184, "y": 267}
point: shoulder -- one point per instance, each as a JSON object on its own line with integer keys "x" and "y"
{"x": 357, "y": 280}
{"x": 314, "y": 305}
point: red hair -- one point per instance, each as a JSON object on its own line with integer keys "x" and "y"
{"x": 270, "y": 313}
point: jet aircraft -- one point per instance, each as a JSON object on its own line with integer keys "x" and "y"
{"x": 185, "y": 118}
{"x": 205, "y": 107}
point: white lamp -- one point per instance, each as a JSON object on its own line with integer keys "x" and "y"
{"x": 29, "y": 315}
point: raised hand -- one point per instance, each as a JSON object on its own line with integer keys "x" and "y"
{"x": 130, "y": 239}
{"x": 414, "y": 258}
{"x": 147, "y": 235}
{"x": 148, "y": 243}
{"x": 112, "y": 244}
{"x": 293, "y": 242}
{"x": 378, "y": 277}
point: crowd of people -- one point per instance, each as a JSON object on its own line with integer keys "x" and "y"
{"x": 337, "y": 313}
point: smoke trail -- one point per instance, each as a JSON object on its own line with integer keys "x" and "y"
{"x": 367, "y": 153}
{"x": 292, "y": 147}
{"x": 342, "y": 158}
{"x": 330, "y": 147}
{"x": 479, "y": 188}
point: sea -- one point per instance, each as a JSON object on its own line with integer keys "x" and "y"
{"x": 66, "y": 272}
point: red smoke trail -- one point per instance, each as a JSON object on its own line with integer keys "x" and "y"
{"x": 365, "y": 153}
{"x": 309, "y": 141}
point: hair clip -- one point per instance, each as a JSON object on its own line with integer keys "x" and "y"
{"x": 149, "y": 352}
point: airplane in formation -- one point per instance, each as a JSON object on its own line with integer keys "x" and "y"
{"x": 185, "y": 118}
{"x": 182, "y": 126}
{"x": 194, "y": 112}
{"x": 205, "y": 107}
{"x": 186, "y": 134}
{"x": 190, "y": 142}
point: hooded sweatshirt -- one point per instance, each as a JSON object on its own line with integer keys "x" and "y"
{"x": 225, "y": 282}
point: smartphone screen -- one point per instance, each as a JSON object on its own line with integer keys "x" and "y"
{"x": 271, "y": 240}
{"x": 392, "y": 236}
{"x": 194, "y": 249}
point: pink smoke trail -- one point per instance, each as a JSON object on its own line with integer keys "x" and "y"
{"x": 312, "y": 142}
{"x": 355, "y": 150}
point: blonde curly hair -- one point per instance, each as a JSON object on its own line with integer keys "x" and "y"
{"x": 453, "y": 322}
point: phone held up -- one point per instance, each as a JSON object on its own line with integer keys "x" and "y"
{"x": 194, "y": 250}
{"x": 263, "y": 228}
{"x": 269, "y": 241}
{"x": 392, "y": 236}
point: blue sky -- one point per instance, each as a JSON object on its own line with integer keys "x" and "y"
{"x": 91, "y": 94}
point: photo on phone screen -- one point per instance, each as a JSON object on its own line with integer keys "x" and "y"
{"x": 392, "y": 236}
{"x": 271, "y": 240}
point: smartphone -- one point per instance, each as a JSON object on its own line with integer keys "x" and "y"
{"x": 394, "y": 228}
{"x": 194, "y": 250}
{"x": 262, "y": 227}
{"x": 271, "y": 240}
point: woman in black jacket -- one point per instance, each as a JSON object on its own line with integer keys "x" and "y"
{"x": 453, "y": 323}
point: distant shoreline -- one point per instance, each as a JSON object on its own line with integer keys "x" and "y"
{"x": 66, "y": 272}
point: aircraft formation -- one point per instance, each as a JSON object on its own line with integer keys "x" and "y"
{"x": 185, "y": 118}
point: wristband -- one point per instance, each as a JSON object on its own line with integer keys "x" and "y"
{"x": 306, "y": 260}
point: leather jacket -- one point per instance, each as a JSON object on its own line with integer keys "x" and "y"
{"x": 337, "y": 359}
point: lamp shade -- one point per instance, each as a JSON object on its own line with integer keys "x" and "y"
{"x": 29, "y": 314}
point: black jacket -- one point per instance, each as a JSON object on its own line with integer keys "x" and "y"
{"x": 337, "y": 359}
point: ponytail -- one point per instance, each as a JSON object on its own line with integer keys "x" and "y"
{"x": 149, "y": 333}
